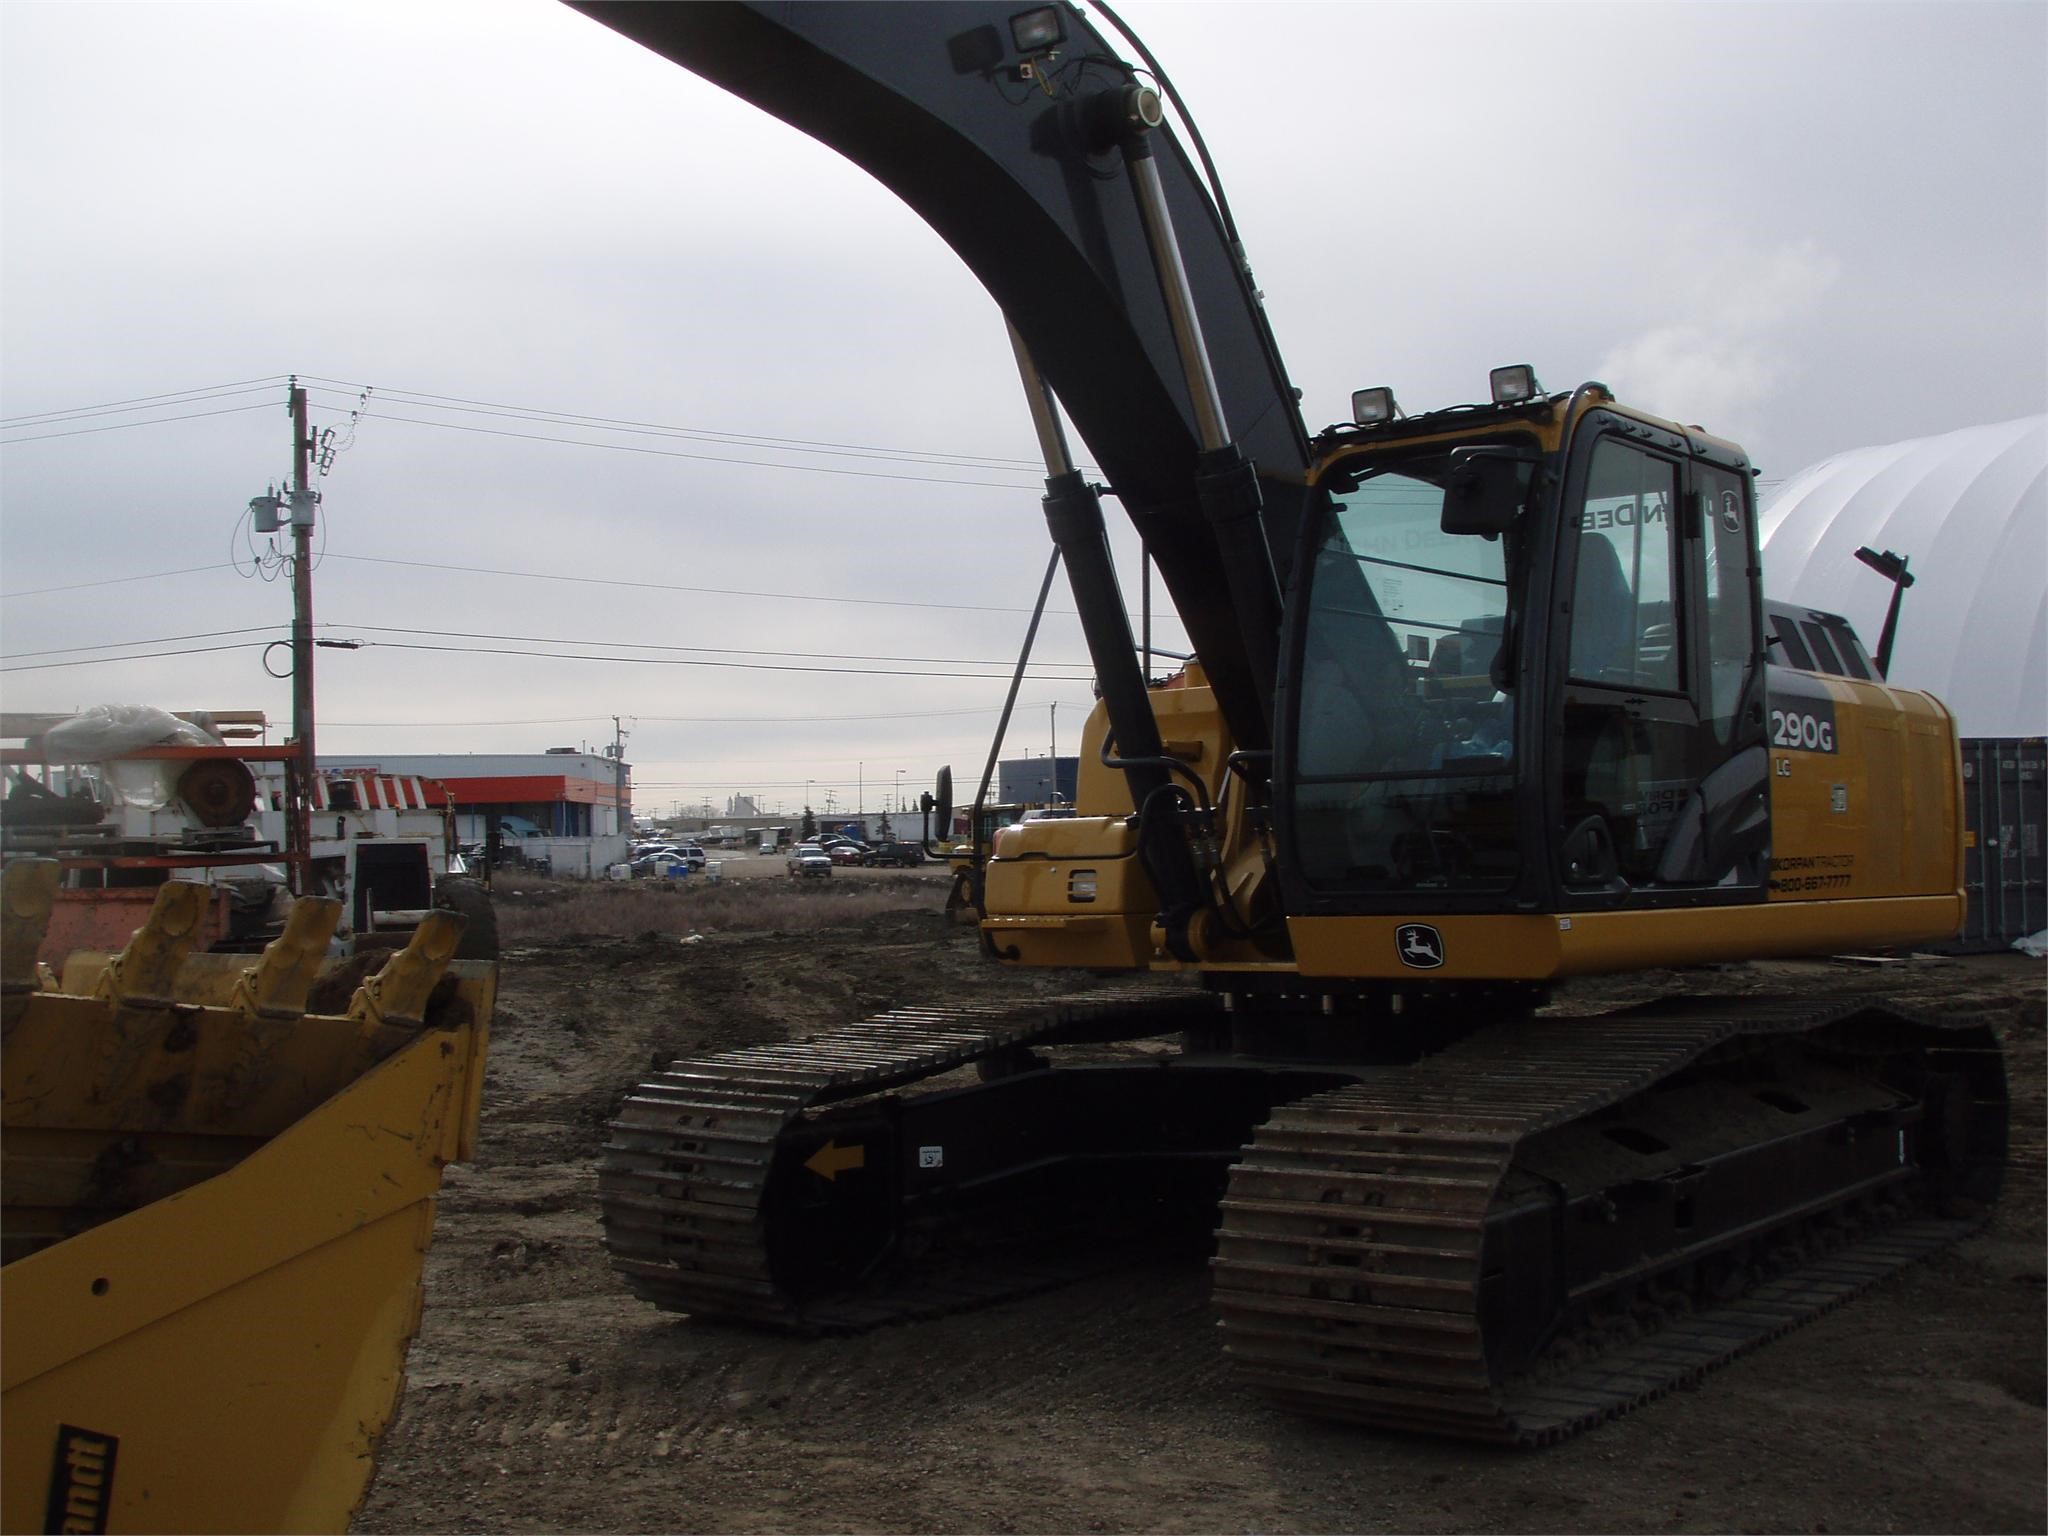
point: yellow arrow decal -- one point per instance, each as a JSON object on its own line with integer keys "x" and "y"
{"x": 831, "y": 1160}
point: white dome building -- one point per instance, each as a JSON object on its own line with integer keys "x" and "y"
{"x": 1969, "y": 510}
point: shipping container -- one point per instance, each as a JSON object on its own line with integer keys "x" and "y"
{"x": 2005, "y": 866}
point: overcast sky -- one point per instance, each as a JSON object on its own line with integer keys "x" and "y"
{"x": 1811, "y": 227}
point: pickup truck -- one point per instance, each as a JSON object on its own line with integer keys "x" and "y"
{"x": 900, "y": 855}
{"x": 809, "y": 859}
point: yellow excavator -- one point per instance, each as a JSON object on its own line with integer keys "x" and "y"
{"x": 1484, "y": 698}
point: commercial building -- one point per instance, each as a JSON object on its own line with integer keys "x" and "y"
{"x": 571, "y": 810}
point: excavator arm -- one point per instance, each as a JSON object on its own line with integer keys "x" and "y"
{"x": 1016, "y": 153}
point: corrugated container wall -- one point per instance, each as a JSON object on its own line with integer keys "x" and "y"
{"x": 2005, "y": 806}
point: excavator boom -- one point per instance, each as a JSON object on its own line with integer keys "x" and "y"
{"x": 1005, "y": 150}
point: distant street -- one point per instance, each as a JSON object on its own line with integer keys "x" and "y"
{"x": 739, "y": 864}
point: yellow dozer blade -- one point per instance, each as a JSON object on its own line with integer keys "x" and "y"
{"x": 218, "y": 1193}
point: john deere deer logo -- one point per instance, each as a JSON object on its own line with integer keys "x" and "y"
{"x": 1420, "y": 946}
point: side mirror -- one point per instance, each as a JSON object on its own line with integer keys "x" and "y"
{"x": 938, "y": 808}
{"x": 1486, "y": 488}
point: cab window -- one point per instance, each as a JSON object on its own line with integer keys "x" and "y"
{"x": 1660, "y": 785}
{"x": 1404, "y": 731}
{"x": 1624, "y": 629}
{"x": 1730, "y": 597}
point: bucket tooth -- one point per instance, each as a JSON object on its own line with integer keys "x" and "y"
{"x": 28, "y": 891}
{"x": 276, "y": 986}
{"x": 398, "y": 994}
{"x": 146, "y": 972}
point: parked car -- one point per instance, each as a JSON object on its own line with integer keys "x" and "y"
{"x": 665, "y": 858}
{"x": 810, "y": 860}
{"x": 901, "y": 855}
{"x": 847, "y": 853}
{"x": 686, "y": 853}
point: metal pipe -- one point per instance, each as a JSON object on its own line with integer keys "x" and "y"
{"x": 1226, "y": 483}
{"x": 1145, "y": 605}
{"x": 1178, "y": 294}
{"x": 995, "y": 747}
{"x": 1073, "y": 512}
{"x": 1045, "y": 416}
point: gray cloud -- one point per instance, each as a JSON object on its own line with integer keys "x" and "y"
{"x": 1809, "y": 226}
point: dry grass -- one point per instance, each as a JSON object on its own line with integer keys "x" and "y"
{"x": 531, "y": 907}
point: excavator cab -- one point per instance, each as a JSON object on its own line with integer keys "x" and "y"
{"x": 1520, "y": 693}
{"x": 1527, "y": 670}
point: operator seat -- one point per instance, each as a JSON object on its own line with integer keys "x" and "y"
{"x": 1603, "y": 622}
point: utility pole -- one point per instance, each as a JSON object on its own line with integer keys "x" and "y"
{"x": 302, "y": 503}
{"x": 1054, "y": 755}
{"x": 619, "y": 779}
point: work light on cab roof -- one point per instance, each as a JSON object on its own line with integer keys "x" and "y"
{"x": 1373, "y": 407}
{"x": 1507, "y": 386}
{"x": 1513, "y": 384}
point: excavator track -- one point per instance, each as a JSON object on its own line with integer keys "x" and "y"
{"x": 1369, "y": 1234}
{"x": 1538, "y": 1226}
{"x": 687, "y": 1179}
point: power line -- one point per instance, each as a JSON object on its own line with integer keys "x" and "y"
{"x": 115, "y": 581}
{"x": 179, "y": 396}
{"x": 485, "y": 570}
{"x": 803, "y": 719}
{"x": 107, "y": 645}
{"x": 916, "y": 714}
{"x": 652, "y": 661}
{"x": 123, "y": 426}
{"x": 679, "y": 661}
{"x": 641, "y": 645}
{"x": 705, "y": 458}
{"x": 602, "y": 581}
{"x": 706, "y": 434}
{"x": 663, "y": 586}
{"x": 681, "y": 651}
{"x": 598, "y": 581}
{"x": 427, "y": 400}
{"x": 565, "y": 419}
{"x": 93, "y": 661}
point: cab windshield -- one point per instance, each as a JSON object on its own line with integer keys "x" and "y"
{"x": 1404, "y": 736}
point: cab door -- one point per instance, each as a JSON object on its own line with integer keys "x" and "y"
{"x": 1656, "y": 786}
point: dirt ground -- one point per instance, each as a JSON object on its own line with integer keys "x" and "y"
{"x": 543, "y": 1397}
